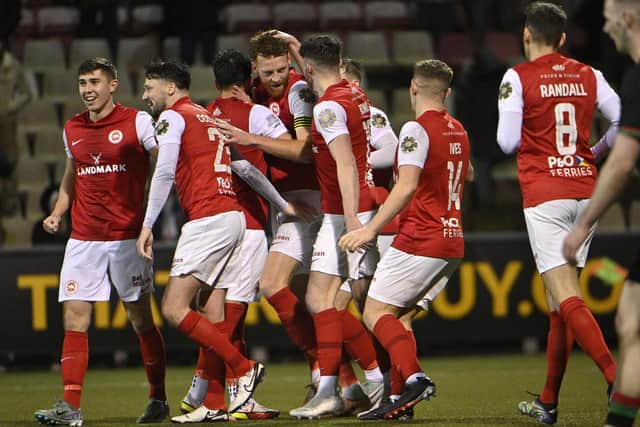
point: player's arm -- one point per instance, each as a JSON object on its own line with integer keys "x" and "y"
{"x": 147, "y": 136}
{"x": 608, "y": 103}
{"x": 66, "y": 192}
{"x": 510, "y": 109}
{"x": 261, "y": 185}
{"x": 294, "y": 47}
{"x": 383, "y": 139}
{"x": 347, "y": 172}
{"x": 168, "y": 134}
{"x": 411, "y": 159}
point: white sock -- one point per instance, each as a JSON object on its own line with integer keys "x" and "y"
{"x": 327, "y": 386}
{"x": 351, "y": 392}
{"x": 315, "y": 377}
{"x": 374, "y": 374}
{"x": 198, "y": 390}
{"x": 414, "y": 377}
{"x": 394, "y": 397}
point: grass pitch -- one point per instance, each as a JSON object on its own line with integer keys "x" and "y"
{"x": 472, "y": 391}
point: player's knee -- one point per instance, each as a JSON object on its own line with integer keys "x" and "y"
{"x": 170, "y": 313}
{"x": 271, "y": 285}
{"x": 628, "y": 327}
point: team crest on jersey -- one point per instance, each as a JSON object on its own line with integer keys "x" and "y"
{"x": 409, "y": 144}
{"x": 217, "y": 112}
{"x": 326, "y": 118}
{"x": 307, "y": 95}
{"x": 558, "y": 67}
{"x": 71, "y": 287}
{"x": 96, "y": 158}
{"x": 162, "y": 127}
{"x": 505, "y": 90}
{"x": 275, "y": 108}
{"x": 378, "y": 121}
{"x": 115, "y": 136}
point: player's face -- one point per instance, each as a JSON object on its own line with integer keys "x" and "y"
{"x": 155, "y": 95}
{"x": 614, "y": 26}
{"x": 273, "y": 72}
{"x": 96, "y": 90}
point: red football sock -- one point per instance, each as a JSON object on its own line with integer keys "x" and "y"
{"x": 73, "y": 364}
{"x": 154, "y": 357}
{"x": 347, "y": 376}
{"x": 207, "y": 335}
{"x": 214, "y": 370}
{"x": 397, "y": 382}
{"x": 357, "y": 341}
{"x": 587, "y": 333}
{"x": 234, "y": 316}
{"x": 381, "y": 354}
{"x": 394, "y": 338}
{"x": 329, "y": 339}
{"x": 296, "y": 321}
{"x": 557, "y": 358}
{"x": 414, "y": 344}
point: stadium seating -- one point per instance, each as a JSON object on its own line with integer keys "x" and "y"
{"x": 408, "y": 47}
{"x": 295, "y": 16}
{"x": 239, "y": 42}
{"x": 245, "y": 17}
{"x": 83, "y": 48}
{"x": 57, "y": 20}
{"x": 37, "y": 115}
{"x": 59, "y": 84}
{"x": 367, "y": 47}
{"x": 455, "y": 48}
{"x": 203, "y": 88}
{"x": 392, "y": 15}
{"x": 32, "y": 173}
{"x": 18, "y": 231}
{"x": 505, "y": 46}
{"x": 135, "y": 52}
{"x": 340, "y": 16}
{"x": 40, "y": 54}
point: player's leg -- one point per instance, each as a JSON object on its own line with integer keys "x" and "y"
{"x": 133, "y": 279}
{"x": 83, "y": 280}
{"x": 625, "y": 401}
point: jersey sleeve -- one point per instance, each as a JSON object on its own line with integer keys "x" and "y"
{"x": 301, "y": 104}
{"x": 510, "y": 93}
{"x": 413, "y": 148}
{"x": 630, "y": 118}
{"x": 607, "y": 99}
{"x": 66, "y": 144}
{"x": 330, "y": 119}
{"x": 381, "y": 131}
{"x": 145, "y": 130}
{"x": 263, "y": 122}
{"x": 169, "y": 128}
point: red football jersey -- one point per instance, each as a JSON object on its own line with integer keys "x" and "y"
{"x": 558, "y": 101}
{"x": 111, "y": 167}
{"x": 343, "y": 109}
{"x": 431, "y": 224}
{"x": 203, "y": 173}
{"x": 286, "y": 175}
{"x": 237, "y": 112}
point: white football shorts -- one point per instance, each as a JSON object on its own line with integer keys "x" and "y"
{"x": 328, "y": 258}
{"x": 384, "y": 243}
{"x": 295, "y": 238}
{"x": 240, "y": 277}
{"x": 403, "y": 279}
{"x": 548, "y": 224}
{"x": 89, "y": 269}
{"x": 207, "y": 245}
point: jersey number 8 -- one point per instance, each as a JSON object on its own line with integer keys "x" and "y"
{"x": 566, "y": 129}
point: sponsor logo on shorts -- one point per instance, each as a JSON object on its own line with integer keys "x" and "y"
{"x": 281, "y": 237}
{"x": 137, "y": 280}
{"x": 71, "y": 287}
{"x": 319, "y": 253}
{"x": 177, "y": 261}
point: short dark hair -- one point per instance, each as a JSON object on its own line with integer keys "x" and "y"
{"x": 352, "y": 67}
{"x": 98, "y": 63}
{"x": 231, "y": 67}
{"x": 265, "y": 43}
{"x": 433, "y": 69}
{"x": 546, "y": 22}
{"x": 324, "y": 50}
{"x": 172, "y": 71}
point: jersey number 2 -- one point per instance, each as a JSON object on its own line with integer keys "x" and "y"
{"x": 218, "y": 166}
{"x": 566, "y": 129}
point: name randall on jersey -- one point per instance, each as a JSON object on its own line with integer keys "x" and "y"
{"x": 552, "y": 90}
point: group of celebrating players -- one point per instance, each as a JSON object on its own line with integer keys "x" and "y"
{"x": 336, "y": 230}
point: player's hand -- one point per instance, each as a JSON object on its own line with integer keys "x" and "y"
{"x": 301, "y": 210}
{"x": 240, "y": 94}
{"x": 352, "y": 223}
{"x": 357, "y": 240}
{"x": 144, "y": 245}
{"x": 290, "y": 39}
{"x": 232, "y": 134}
{"x": 51, "y": 223}
{"x": 572, "y": 243}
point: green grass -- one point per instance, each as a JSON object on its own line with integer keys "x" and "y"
{"x": 472, "y": 391}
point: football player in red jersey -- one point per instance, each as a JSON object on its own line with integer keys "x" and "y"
{"x": 192, "y": 153}
{"x": 432, "y": 162}
{"x": 107, "y": 150}
{"x": 545, "y": 108}
{"x": 340, "y": 138}
{"x": 622, "y": 23}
